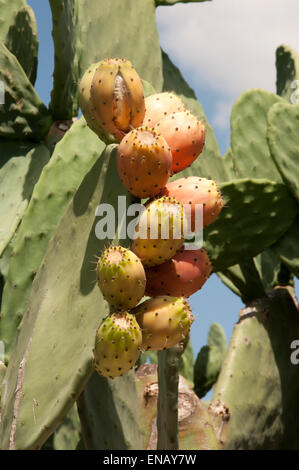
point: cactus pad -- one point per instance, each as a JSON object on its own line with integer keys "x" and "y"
{"x": 283, "y": 138}
{"x": 60, "y": 321}
{"x": 256, "y": 213}
{"x": 70, "y": 161}
{"x": 258, "y": 383}
{"x": 20, "y": 173}
{"x": 23, "y": 115}
{"x": 249, "y": 135}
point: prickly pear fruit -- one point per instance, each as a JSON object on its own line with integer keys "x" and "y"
{"x": 121, "y": 277}
{"x": 88, "y": 108}
{"x": 181, "y": 276}
{"x": 160, "y": 105}
{"x": 195, "y": 190}
{"x": 118, "y": 345}
{"x": 144, "y": 162}
{"x": 112, "y": 98}
{"x": 165, "y": 321}
{"x": 185, "y": 135}
{"x": 159, "y": 233}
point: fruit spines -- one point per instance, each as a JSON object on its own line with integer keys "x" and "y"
{"x": 185, "y": 135}
{"x": 181, "y": 276}
{"x": 159, "y": 105}
{"x": 117, "y": 345}
{"x": 117, "y": 97}
{"x": 121, "y": 277}
{"x": 159, "y": 233}
{"x": 194, "y": 190}
{"x": 144, "y": 162}
{"x": 164, "y": 320}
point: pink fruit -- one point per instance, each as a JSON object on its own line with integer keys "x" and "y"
{"x": 195, "y": 190}
{"x": 181, "y": 276}
{"x": 144, "y": 162}
{"x": 185, "y": 135}
{"x": 159, "y": 105}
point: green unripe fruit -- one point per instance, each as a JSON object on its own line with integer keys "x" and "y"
{"x": 121, "y": 277}
{"x": 118, "y": 345}
{"x": 165, "y": 321}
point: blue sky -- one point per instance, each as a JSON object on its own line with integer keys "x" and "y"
{"x": 222, "y": 48}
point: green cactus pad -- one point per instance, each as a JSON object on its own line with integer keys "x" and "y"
{"x": 18, "y": 31}
{"x": 287, "y": 248}
{"x": 68, "y": 434}
{"x": 206, "y": 369}
{"x": 109, "y": 415}
{"x": 209, "y": 164}
{"x": 267, "y": 271}
{"x": 287, "y": 71}
{"x": 23, "y": 115}
{"x": 256, "y": 213}
{"x": 60, "y": 178}
{"x": 217, "y": 338}
{"x": 209, "y": 361}
{"x": 186, "y": 362}
{"x": 283, "y": 138}
{"x": 258, "y": 384}
{"x": 62, "y": 316}
{"x": 249, "y": 135}
{"x": 17, "y": 179}
{"x": 86, "y": 32}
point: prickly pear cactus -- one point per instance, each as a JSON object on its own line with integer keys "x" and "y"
{"x": 51, "y": 306}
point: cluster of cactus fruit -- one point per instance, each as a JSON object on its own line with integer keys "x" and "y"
{"x": 55, "y": 172}
{"x": 157, "y": 138}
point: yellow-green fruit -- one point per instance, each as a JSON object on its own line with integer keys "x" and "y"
{"x": 165, "y": 321}
{"x": 118, "y": 345}
{"x": 87, "y": 107}
{"x": 160, "y": 231}
{"x": 116, "y": 97}
{"x": 121, "y": 277}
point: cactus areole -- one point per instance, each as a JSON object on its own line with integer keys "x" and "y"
{"x": 112, "y": 98}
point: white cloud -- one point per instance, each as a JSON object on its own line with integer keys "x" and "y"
{"x": 229, "y": 45}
